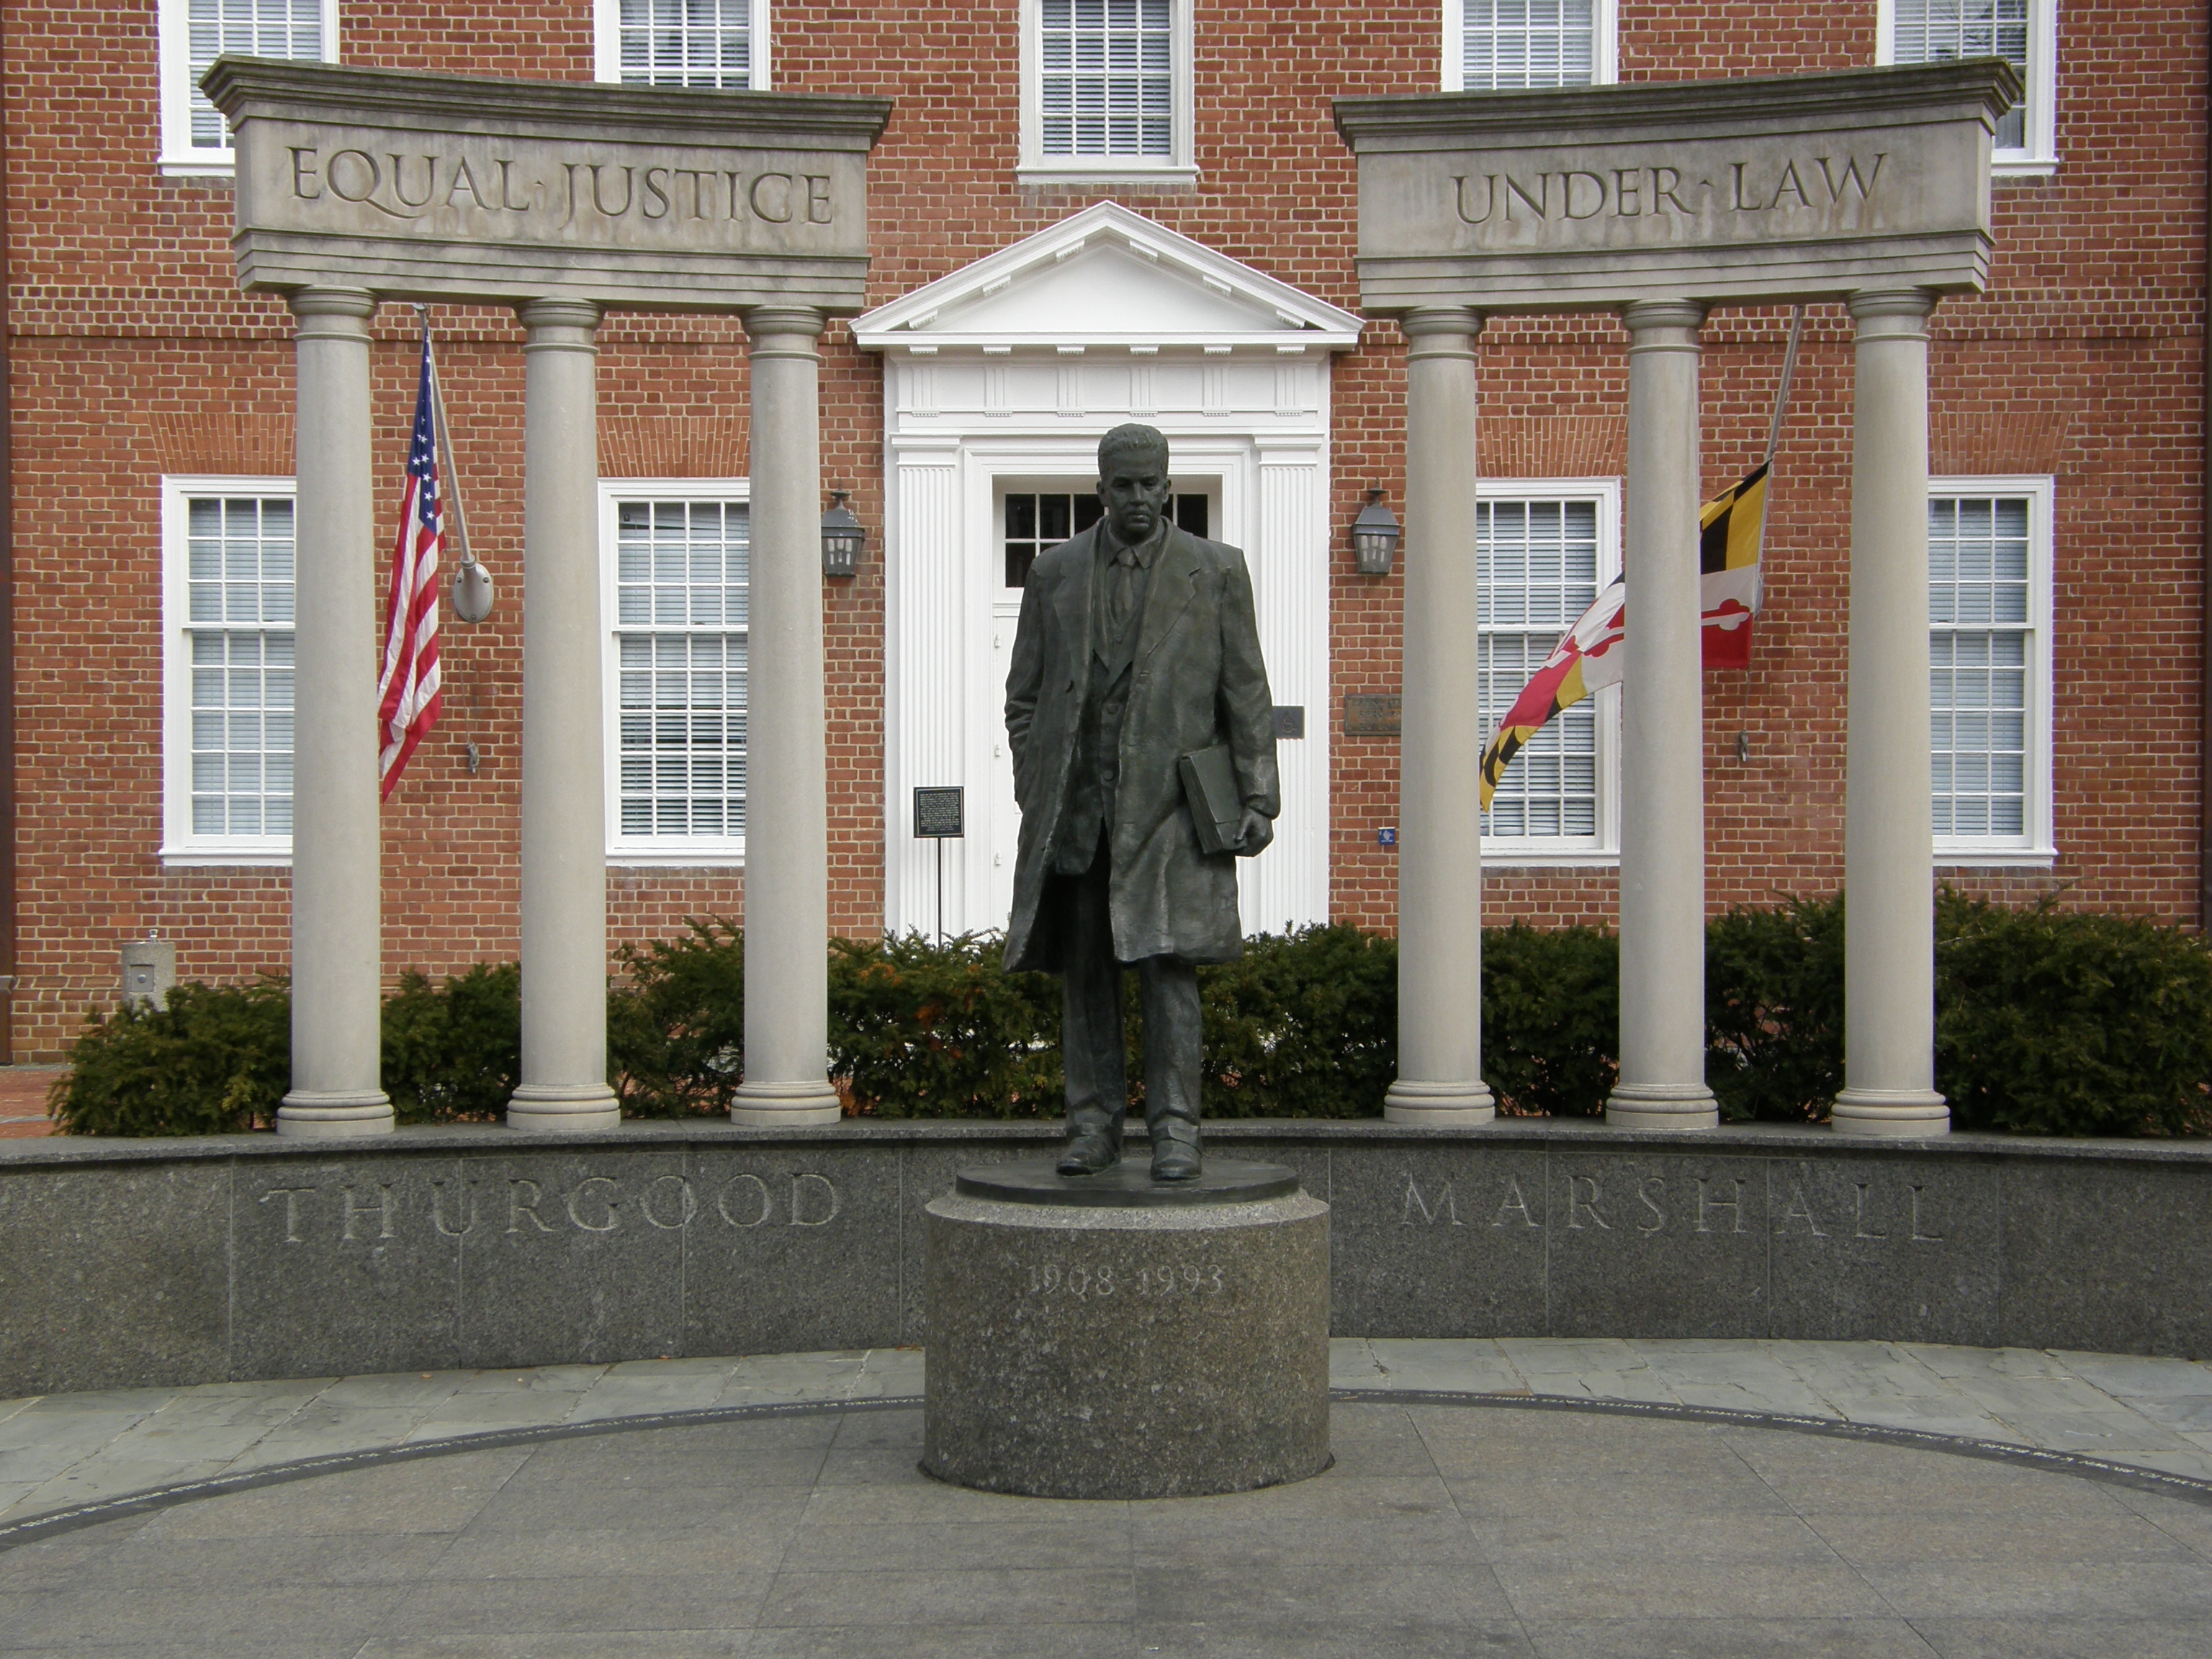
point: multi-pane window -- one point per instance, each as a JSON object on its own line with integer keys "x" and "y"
{"x": 686, "y": 43}
{"x": 1107, "y": 86}
{"x": 228, "y": 668}
{"x": 1981, "y": 660}
{"x": 1038, "y": 520}
{"x": 1515, "y": 45}
{"x": 195, "y": 33}
{"x": 680, "y": 635}
{"x": 1929, "y": 32}
{"x": 1538, "y": 564}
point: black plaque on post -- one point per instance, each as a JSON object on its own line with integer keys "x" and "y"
{"x": 938, "y": 814}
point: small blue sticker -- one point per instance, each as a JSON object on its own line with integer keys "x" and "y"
{"x": 1386, "y": 836}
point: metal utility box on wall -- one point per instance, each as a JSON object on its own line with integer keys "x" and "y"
{"x": 149, "y": 971}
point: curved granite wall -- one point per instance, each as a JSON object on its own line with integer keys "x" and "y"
{"x": 141, "y": 1262}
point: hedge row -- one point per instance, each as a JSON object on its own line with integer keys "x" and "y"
{"x": 2047, "y": 1022}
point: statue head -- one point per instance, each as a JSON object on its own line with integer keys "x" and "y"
{"x": 1133, "y": 480}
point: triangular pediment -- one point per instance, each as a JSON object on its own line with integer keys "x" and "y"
{"x": 1106, "y": 277}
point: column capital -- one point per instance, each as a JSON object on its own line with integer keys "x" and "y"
{"x": 1893, "y": 309}
{"x": 784, "y": 330}
{"x": 1441, "y": 331}
{"x": 560, "y": 324}
{"x": 340, "y": 311}
{"x": 1662, "y": 324}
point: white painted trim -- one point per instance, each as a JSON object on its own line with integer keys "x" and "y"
{"x": 174, "y": 58}
{"x": 1572, "y": 852}
{"x": 2040, "y": 845}
{"x": 1605, "y": 47}
{"x": 180, "y": 849}
{"x": 651, "y": 852}
{"x": 1178, "y": 170}
{"x": 606, "y": 43}
{"x": 1292, "y": 316}
{"x": 2039, "y": 157}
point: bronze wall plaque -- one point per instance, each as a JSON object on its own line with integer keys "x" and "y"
{"x": 1369, "y": 715}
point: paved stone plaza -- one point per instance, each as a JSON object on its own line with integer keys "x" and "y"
{"x": 1494, "y": 1522}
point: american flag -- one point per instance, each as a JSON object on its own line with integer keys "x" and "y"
{"x": 407, "y": 694}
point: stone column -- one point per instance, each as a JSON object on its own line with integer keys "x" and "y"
{"x": 1889, "y": 922}
{"x": 1663, "y": 772}
{"x": 564, "y": 815}
{"x": 336, "y": 942}
{"x": 787, "y": 766}
{"x": 1439, "y": 782}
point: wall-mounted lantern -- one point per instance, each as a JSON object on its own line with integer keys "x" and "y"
{"x": 1374, "y": 537}
{"x": 842, "y": 539}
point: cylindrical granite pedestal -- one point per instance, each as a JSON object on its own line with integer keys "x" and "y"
{"x": 1109, "y": 1336}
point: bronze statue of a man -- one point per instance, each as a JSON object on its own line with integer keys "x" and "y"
{"x": 1138, "y": 646}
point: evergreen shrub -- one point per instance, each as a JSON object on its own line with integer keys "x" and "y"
{"x": 676, "y": 1031}
{"x": 2048, "y": 1023}
{"x": 2070, "y": 1022}
{"x": 453, "y": 1053}
{"x": 216, "y": 1059}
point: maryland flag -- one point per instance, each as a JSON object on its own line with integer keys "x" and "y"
{"x": 1588, "y": 660}
{"x": 1731, "y": 528}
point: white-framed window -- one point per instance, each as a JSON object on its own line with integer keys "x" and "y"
{"x": 1988, "y": 660}
{"x": 195, "y": 137}
{"x": 1544, "y": 548}
{"x": 676, "y": 558}
{"x": 682, "y": 43}
{"x": 227, "y": 620}
{"x": 1106, "y": 91}
{"x": 2024, "y": 33}
{"x": 1520, "y": 45}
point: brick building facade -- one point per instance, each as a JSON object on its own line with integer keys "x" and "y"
{"x": 2067, "y": 435}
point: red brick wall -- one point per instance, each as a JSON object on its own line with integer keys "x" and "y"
{"x": 135, "y": 354}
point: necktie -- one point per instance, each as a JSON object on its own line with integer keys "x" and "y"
{"x": 1122, "y": 594}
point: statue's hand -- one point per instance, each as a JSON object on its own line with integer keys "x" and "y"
{"x": 1254, "y": 833}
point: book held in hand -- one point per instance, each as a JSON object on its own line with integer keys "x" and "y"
{"x": 1209, "y": 784}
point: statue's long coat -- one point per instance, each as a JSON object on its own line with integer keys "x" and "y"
{"x": 1197, "y": 681}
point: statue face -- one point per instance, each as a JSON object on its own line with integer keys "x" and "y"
{"x": 1136, "y": 497}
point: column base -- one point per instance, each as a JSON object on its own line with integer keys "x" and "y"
{"x": 1661, "y": 1106}
{"x": 1445, "y": 1105}
{"x": 786, "y": 1105}
{"x": 1908, "y": 1113}
{"x": 334, "y": 1114}
{"x": 563, "y": 1106}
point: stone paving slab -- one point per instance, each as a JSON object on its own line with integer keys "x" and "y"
{"x": 61, "y": 1451}
{"x": 1441, "y": 1530}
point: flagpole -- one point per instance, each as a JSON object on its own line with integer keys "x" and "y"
{"x": 1781, "y": 395}
{"x": 446, "y": 439}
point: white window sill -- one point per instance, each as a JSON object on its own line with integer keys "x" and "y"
{"x": 2023, "y": 166}
{"x": 1547, "y": 858}
{"x": 219, "y": 858}
{"x": 1105, "y": 170}
{"x": 723, "y": 857}
{"x": 1994, "y": 858}
{"x": 212, "y": 164}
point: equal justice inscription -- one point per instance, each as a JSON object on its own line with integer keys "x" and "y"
{"x": 470, "y": 188}
{"x": 372, "y": 181}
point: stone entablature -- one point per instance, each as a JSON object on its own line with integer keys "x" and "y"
{"x": 1807, "y": 186}
{"x": 450, "y": 187}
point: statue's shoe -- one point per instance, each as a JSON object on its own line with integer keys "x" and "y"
{"x": 1174, "y": 1160}
{"x": 1088, "y": 1152}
